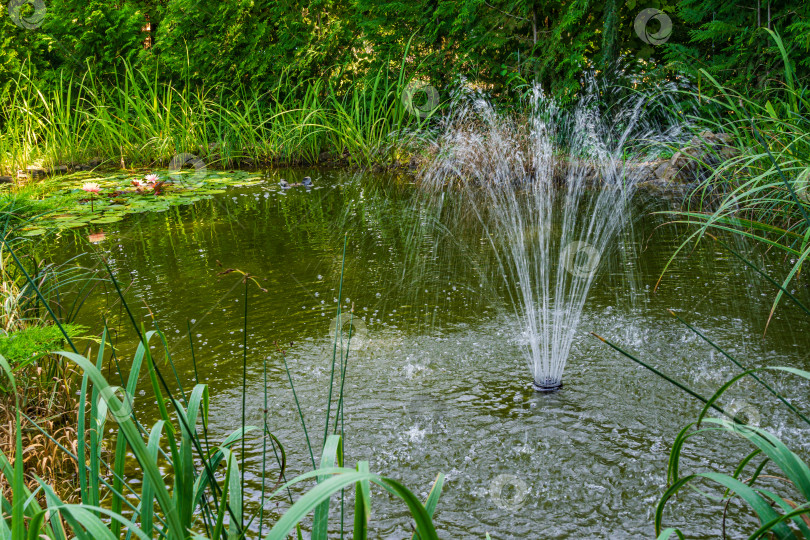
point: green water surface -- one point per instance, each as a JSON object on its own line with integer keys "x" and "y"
{"x": 435, "y": 381}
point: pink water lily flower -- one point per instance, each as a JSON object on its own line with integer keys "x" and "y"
{"x": 151, "y": 178}
{"x": 91, "y": 188}
{"x": 138, "y": 183}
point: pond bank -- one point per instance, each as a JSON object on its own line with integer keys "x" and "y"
{"x": 704, "y": 150}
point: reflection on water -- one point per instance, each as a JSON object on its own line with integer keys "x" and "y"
{"x": 437, "y": 383}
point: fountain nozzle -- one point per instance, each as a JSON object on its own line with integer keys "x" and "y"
{"x": 546, "y": 386}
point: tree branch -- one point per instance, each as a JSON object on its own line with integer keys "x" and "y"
{"x": 505, "y": 13}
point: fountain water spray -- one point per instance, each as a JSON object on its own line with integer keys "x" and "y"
{"x": 551, "y": 191}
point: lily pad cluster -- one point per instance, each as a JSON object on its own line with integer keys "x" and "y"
{"x": 121, "y": 194}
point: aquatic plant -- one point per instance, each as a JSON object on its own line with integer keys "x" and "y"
{"x": 91, "y": 188}
{"x": 761, "y": 192}
{"x": 141, "y": 121}
{"x": 196, "y": 498}
{"x": 31, "y": 297}
{"x": 61, "y": 206}
{"x": 777, "y": 498}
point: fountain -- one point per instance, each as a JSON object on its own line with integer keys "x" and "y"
{"x": 551, "y": 192}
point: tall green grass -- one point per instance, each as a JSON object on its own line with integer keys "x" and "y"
{"x": 135, "y": 119}
{"x": 762, "y": 193}
{"x": 202, "y": 496}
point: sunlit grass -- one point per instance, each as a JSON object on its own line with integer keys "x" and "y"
{"x": 136, "y": 120}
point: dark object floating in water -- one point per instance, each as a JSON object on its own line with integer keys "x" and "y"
{"x": 547, "y": 386}
{"x": 306, "y": 182}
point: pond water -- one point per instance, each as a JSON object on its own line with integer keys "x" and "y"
{"x": 435, "y": 381}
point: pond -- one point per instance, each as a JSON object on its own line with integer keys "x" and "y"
{"x": 435, "y": 380}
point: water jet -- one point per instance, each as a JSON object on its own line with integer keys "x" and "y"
{"x": 551, "y": 190}
{"x": 547, "y": 386}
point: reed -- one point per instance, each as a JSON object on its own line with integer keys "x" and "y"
{"x": 46, "y": 388}
{"x": 762, "y": 192}
{"x": 196, "y": 498}
{"x": 133, "y": 119}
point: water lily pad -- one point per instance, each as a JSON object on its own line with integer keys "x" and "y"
{"x": 72, "y": 224}
{"x": 118, "y": 198}
{"x": 34, "y": 232}
{"x": 107, "y": 219}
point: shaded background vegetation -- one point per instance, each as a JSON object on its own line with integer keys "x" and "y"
{"x": 497, "y": 44}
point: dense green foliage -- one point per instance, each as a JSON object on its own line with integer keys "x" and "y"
{"x": 493, "y": 43}
{"x": 136, "y": 82}
{"x": 26, "y": 346}
{"x": 730, "y": 41}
